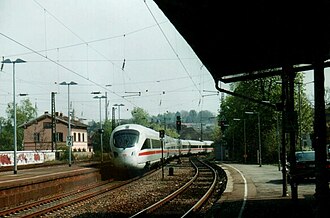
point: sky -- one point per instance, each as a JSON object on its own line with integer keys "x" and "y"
{"x": 125, "y": 48}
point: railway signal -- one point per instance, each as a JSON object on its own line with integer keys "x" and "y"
{"x": 223, "y": 125}
{"x": 162, "y": 135}
{"x": 178, "y": 123}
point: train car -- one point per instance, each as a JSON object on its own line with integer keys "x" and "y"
{"x": 137, "y": 147}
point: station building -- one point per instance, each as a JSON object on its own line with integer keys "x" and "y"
{"x": 38, "y": 133}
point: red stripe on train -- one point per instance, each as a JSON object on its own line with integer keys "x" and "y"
{"x": 151, "y": 152}
{"x": 144, "y": 153}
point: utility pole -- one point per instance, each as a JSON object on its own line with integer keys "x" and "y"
{"x": 53, "y": 121}
{"x": 284, "y": 110}
{"x": 113, "y": 119}
{"x": 161, "y": 136}
{"x": 106, "y": 106}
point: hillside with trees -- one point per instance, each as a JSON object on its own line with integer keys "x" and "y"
{"x": 191, "y": 123}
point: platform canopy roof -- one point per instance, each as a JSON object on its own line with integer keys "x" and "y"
{"x": 241, "y": 39}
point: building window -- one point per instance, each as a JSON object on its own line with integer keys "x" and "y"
{"x": 36, "y": 137}
{"x": 59, "y": 136}
{"x": 83, "y": 137}
{"x": 75, "y": 137}
{"x": 78, "y": 137}
{"x": 47, "y": 125}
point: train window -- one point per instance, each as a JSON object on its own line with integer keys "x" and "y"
{"x": 155, "y": 143}
{"x": 125, "y": 138}
{"x": 146, "y": 144}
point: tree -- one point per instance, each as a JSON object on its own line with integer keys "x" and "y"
{"x": 140, "y": 116}
{"x": 107, "y": 126}
{"x": 327, "y": 96}
{"x": 192, "y": 117}
{"x": 265, "y": 89}
{"x": 24, "y": 112}
{"x": 94, "y": 134}
{"x": 6, "y": 134}
{"x": 184, "y": 116}
{"x": 205, "y": 116}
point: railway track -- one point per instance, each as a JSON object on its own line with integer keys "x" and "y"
{"x": 50, "y": 205}
{"x": 187, "y": 200}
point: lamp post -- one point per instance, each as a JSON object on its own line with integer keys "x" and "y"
{"x": 118, "y": 105}
{"x": 69, "y": 137}
{"x": 260, "y": 164}
{"x": 278, "y": 141}
{"x": 101, "y": 130}
{"x": 245, "y": 154}
{"x": 8, "y": 61}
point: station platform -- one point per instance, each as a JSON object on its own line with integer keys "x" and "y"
{"x": 9, "y": 179}
{"x": 35, "y": 183}
{"x": 254, "y": 191}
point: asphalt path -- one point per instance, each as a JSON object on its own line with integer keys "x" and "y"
{"x": 254, "y": 191}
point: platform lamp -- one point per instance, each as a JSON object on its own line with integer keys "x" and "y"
{"x": 69, "y": 138}
{"x": 8, "y": 61}
{"x": 118, "y": 105}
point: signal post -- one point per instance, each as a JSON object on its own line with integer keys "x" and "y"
{"x": 161, "y": 136}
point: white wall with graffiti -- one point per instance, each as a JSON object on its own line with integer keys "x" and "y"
{"x": 25, "y": 157}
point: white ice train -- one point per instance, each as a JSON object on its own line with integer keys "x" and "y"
{"x": 137, "y": 147}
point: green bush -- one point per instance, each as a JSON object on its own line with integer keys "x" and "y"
{"x": 65, "y": 154}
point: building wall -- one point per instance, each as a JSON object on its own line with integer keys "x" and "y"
{"x": 62, "y": 132}
{"x": 80, "y": 140}
{"x": 38, "y": 136}
{"x": 25, "y": 157}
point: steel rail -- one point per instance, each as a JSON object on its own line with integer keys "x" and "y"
{"x": 206, "y": 196}
{"x": 40, "y": 212}
{"x": 169, "y": 197}
{"x": 85, "y": 197}
{"x": 28, "y": 206}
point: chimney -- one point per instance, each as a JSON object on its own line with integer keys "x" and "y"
{"x": 61, "y": 114}
{"x": 56, "y": 114}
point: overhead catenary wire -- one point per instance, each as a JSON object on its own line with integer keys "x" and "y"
{"x": 171, "y": 46}
{"x": 116, "y": 81}
{"x": 64, "y": 67}
{"x": 80, "y": 38}
{"x": 45, "y": 21}
{"x": 114, "y": 60}
{"x": 88, "y": 42}
{"x": 85, "y": 42}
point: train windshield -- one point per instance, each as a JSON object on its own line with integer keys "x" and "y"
{"x": 125, "y": 138}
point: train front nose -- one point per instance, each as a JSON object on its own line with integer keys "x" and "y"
{"x": 124, "y": 143}
{"x": 125, "y": 159}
